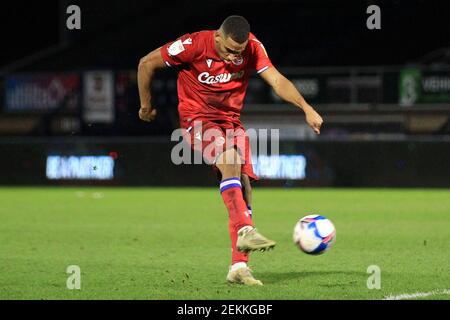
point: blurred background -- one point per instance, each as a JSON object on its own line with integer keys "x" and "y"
{"x": 69, "y": 99}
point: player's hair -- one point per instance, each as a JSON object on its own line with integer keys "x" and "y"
{"x": 236, "y": 27}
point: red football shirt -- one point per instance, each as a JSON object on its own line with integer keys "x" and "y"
{"x": 208, "y": 87}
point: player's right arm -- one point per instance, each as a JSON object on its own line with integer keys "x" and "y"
{"x": 146, "y": 70}
{"x": 176, "y": 53}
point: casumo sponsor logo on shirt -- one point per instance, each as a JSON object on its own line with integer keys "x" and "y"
{"x": 206, "y": 78}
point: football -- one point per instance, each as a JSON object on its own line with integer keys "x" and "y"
{"x": 314, "y": 234}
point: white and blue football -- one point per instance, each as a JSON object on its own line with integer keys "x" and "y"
{"x": 314, "y": 234}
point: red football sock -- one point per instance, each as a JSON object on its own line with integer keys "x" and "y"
{"x": 238, "y": 213}
{"x": 234, "y": 201}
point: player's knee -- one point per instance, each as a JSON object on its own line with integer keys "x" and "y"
{"x": 230, "y": 170}
{"x": 229, "y": 158}
{"x": 229, "y": 163}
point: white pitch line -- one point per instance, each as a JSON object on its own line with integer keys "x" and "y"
{"x": 417, "y": 295}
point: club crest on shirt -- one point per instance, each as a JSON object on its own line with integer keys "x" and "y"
{"x": 238, "y": 61}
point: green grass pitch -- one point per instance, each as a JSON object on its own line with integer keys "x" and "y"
{"x": 145, "y": 243}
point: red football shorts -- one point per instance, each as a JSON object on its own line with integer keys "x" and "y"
{"x": 212, "y": 137}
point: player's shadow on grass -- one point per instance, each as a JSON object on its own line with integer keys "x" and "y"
{"x": 274, "y": 277}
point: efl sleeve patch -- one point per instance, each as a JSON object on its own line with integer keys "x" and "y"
{"x": 176, "y": 48}
{"x": 181, "y": 51}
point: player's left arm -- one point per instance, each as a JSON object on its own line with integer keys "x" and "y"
{"x": 286, "y": 90}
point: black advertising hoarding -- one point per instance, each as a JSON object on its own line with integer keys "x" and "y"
{"x": 42, "y": 92}
{"x": 424, "y": 86}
